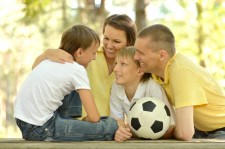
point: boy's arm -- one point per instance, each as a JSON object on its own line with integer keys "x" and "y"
{"x": 89, "y": 105}
{"x": 55, "y": 55}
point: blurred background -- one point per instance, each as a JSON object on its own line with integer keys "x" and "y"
{"x": 28, "y": 27}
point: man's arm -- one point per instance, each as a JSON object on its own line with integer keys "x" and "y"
{"x": 184, "y": 129}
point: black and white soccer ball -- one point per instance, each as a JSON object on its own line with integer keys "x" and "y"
{"x": 149, "y": 118}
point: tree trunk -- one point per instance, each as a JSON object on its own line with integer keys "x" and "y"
{"x": 140, "y": 14}
{"x": 200, "y": 39}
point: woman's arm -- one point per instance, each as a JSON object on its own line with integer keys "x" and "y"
{"x": 89, "y": 105}
{"x": 55, "y": 55}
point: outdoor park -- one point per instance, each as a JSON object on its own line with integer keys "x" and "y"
{"x": 29, "y": 27}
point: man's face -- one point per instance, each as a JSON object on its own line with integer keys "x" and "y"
{"x": 145, "y": 54}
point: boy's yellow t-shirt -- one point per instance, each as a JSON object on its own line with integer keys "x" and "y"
{"x": 100, "y": 82}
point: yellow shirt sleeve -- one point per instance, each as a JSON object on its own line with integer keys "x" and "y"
{"x": 186, "y": 88}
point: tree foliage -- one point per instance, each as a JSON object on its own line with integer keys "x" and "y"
{"x": 33, "y": 8}
{"x": 31, "y": 26}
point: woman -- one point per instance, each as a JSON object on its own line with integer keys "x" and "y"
{"x": 119, "y": 31}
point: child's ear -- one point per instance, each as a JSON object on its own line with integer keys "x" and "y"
{"x": 78, "y": 53}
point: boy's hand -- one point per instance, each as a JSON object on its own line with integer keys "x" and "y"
{"x": 169, "y": 133}
{"x": 123, "y": 133}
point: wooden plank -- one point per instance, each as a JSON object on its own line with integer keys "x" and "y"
{"x": 131, "y": 144}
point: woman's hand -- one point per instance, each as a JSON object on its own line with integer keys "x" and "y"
{"x": 55, "y": 55}
{"x": 58, "y": 55}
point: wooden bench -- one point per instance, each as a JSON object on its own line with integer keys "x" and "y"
{"x": 10, "y": 143}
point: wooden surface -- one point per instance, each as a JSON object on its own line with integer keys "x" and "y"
{"x": 131, "y": 144}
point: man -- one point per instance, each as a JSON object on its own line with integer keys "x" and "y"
{"x": 198, "y": 100}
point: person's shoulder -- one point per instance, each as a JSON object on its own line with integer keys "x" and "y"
{"x": 100, "y": 52}
{"x": 47, "y": 65}
{"x": 46, "y": 61}
{"x": 182, "y": 59}
{"x": 151, "y": 84}
{"x": 76, "y": 68}
{"x": 100, "y": 49}
{"x": 117, "y": 86}
{"x": 150, "y": 81}
{"x": 75, "y": 64}
{"x": 185, "y": 62}
{"x": 117, "y": 91}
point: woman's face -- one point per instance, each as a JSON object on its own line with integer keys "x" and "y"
{"x": 113, "y": 40}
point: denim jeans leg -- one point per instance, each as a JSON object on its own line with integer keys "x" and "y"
{"x": 71, "y": 106}
{"x": 199, "y": 134}
{"x": 37, "y": 133}
{"x": 217, "y": 135}
{"x": 67, "y": 129}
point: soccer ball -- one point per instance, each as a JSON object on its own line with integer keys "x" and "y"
{"x": 149, "y": 118}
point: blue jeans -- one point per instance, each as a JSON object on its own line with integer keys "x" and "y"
{"x": 216, "y": 134}
{"x": 62, "y": 126}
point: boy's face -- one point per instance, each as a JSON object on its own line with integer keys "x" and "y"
{"x": 87, "y": 55}
{"x": 126, "y": 71}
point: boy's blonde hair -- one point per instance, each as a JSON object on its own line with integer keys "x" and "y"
{"x": 130, "y": 52}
